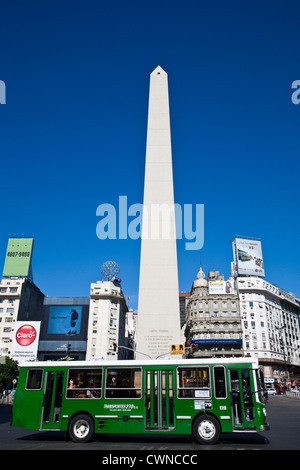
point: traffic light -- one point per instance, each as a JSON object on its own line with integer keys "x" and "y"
{"x": 177, "y": 349}
{"x": 193, "y": 348}
{"x": 115, "y": 345}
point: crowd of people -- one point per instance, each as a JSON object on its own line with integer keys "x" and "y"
{"x": 7, "y": 397}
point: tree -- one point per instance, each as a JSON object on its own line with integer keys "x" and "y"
{"x": 8, "y": 369}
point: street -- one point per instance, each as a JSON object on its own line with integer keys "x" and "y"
{"x": 283, "y": 414}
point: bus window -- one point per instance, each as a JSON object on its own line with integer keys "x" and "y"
{"x": 34, "y": 379}
{"x": 123, "y": 383}
{"x": 84, "y": 383}
{"x": 193, "y": 382}
{"x": 219, "y": 382}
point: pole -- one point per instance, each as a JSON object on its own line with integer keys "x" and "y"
{"x": 134, "y": 350}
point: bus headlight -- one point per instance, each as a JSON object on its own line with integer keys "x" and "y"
{"x": 265, "y": 412}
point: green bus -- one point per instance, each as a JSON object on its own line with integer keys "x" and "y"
{"x": 199, "y": 397}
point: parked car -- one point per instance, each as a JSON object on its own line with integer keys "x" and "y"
{"x": 271, "y": 391}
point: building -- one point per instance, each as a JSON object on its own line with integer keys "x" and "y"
{"x": 130, "y": 332}
{"x": 183, "y": 298}
{"x": 213, "y": 323}
{"x": 63, "y": 331}
{"x": 270, "y": 321}
{"x": 106, "y": 334}
{"x": 20, "y": 300}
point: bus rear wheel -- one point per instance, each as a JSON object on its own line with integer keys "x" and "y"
{"x": 206, "y": 429}
{"x": 81, "y": 428}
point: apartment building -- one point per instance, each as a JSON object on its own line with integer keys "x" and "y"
{"x": 270, "y": 322}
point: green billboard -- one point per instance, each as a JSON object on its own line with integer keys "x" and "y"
{"x": 18, "y": 258}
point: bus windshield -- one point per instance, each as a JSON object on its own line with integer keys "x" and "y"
{"x": 260, "y": 385}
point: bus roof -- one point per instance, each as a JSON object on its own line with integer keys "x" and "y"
{"x": 147, "y": 362}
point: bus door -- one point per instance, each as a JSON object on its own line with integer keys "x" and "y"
{"x": 159, "y": 400}
{"x": 242, "y": 405}
{"x": 52, "y": 400}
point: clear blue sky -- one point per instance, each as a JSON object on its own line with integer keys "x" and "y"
{"x": 73, "y": 131}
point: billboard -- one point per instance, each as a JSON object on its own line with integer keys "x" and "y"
{"x": 18, "y": 257}
{"x": 248, "y": 257}
{"x": 64, "y": 320}
{"x": 221, "y": 287}
{"x": 25, "y": 341}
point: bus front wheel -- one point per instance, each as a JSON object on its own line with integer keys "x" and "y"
{"x": 81, "y": 428}
{"x": 206, "y": 429}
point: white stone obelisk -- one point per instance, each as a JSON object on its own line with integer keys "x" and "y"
{"x": 158, "y": 306}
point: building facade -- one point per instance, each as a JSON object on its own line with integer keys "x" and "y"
{"x": 20, "y": 300}
{"x": 213, "y": 323}
{"x": 183, "y": 298}
{"x": 106, "y": 335}
{"x": 270, "y": 321}
{"x": 63, "y": 331}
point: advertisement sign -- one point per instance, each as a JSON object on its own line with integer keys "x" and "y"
{"x": 55, "y": 345}
{"x": 25, "y": 341}
{"x": 64, "y": 320}
{"x": 216, "y": 341}
{"x": 18, "y": 257}
{"x": 221, "y": 287}
{"x": 248, "y": 256}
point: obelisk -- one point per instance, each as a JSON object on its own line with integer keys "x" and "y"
{"x": 158, "y": 305}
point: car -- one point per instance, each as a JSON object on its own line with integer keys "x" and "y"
{"x": 271, "y": 391}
